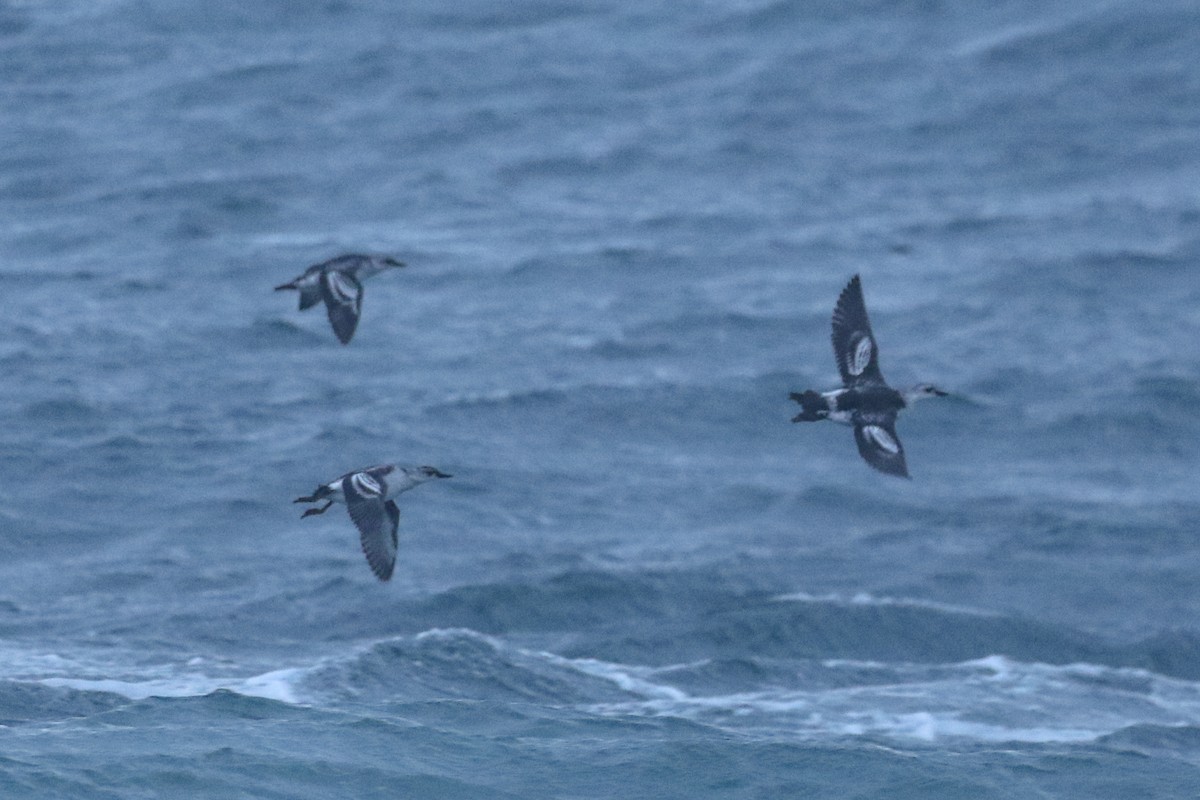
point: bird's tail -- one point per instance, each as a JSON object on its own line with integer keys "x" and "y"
{"x": 813, "y": 406}
{"x": 320, "y": 493}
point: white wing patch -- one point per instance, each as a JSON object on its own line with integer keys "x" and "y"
{"x": 881, "y": 438}
{"x": 342, "y": 287}
{"x": 861, "y": 357}
{"x": 365, "y": 485}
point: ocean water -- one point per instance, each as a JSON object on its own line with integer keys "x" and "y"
{"x": 626, "y": 226}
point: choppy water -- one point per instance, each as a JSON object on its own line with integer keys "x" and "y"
{"x": 626, "y": 226}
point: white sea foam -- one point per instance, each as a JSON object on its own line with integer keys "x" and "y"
{"x": 867, "y": 599}
{"x": 993, "y": 699}
{"x": 195, "y": 677}
{"x": 275, "y": 685}
{"x": 634, "y": 680}
{"x": 453, "y": 634}
{"x": 280, "y": 684}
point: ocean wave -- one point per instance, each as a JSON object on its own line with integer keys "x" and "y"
{"x": 503, "y": 397}
{"x": 720, "y": 323}
{"x": 1155, "y": 738}
{"x": 22, "y": 702}
{"x": 447, "y": 663}
{"x": 867, "y": 599}
{"x": 1170, "y": 394}
{"x": 621, "y": 349}
{"x": 279, "y": 332}
{"x": 990, "y": 699}
{"x": 993, "y": 699}
{"x": 673, "y": 617}
{"x": 65, "y": 411}
{"x": 39, "y": 278}
{"x": 1141, "y": 428}
{"x": 611, "y": 160}
{"x": 491, "y": 18}
{"x": 48, "y": 686}
{"x": 1110, "y": 33}
{"x": 274, "y": 685}
{"x": 775, "y": 16}
{"x": 663, "y": 402}
{"x": 1134, "y": 261}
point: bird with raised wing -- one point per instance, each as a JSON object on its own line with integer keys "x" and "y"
{"x": 865, "y": 401}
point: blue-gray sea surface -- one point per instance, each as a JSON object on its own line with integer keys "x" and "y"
{"x": 626, "y": 225}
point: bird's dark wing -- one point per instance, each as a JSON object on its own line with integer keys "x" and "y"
{"x": 393, "y": 513}
{"x": 309, "y": 286}
{"x": 342, "y": 294}
{"x": 347, "y": 262}
{"x": 853, "y": 343}
{"x": 375, "y": 519}
{"x": 310, "y": 295}
{"x": 879, "y": 446}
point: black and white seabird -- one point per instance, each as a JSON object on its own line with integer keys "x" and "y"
{"x": 338, "y": 282}
{"x": 865, "y": 400}
{"x": 368, "y": 495}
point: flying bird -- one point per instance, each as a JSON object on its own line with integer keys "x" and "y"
{"x": 338, "y": 282}
{"x": 368, "y": 495}
{"x": 865, "y": 401}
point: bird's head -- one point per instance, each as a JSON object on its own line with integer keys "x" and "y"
{"x": 423, "y": 474}
{"x": 922, "y": 391}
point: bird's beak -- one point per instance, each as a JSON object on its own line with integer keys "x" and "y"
{"x": 940, "y": 393}
{"x": 437, "y": 473}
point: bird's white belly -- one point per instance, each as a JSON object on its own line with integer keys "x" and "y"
{"x": 842, "y": 417}
{"x": 391, "y": 487}
{"x": 335, "y": 492}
